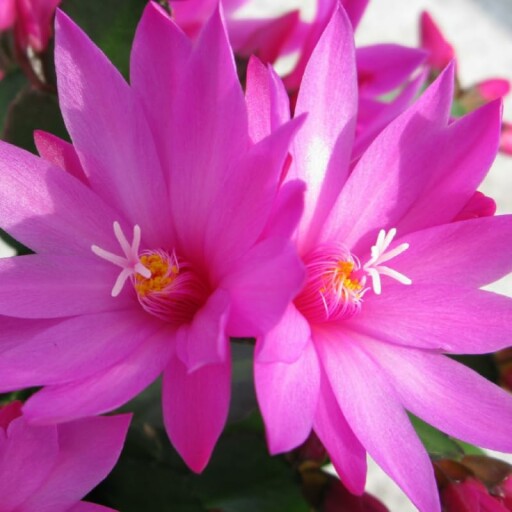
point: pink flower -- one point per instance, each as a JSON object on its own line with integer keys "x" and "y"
{"x": 153, "y": 249}
{"x": 50, "y": 468}
{"x": 392, "y": 282}
{"x": 32, "y": 21}
{"x": 440, "y": 51}
{"x": 506, "y": 138}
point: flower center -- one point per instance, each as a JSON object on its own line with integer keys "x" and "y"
{"x": 337, "y": 282}
{"x": 166, "y": 286}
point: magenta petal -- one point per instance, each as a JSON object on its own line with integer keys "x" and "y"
{"x": 355, "y": 10}
{"x": 328, "y": 94}
{"x": 88, "y": 450}
{"x": 59, "y": 153}
{"x": 286, "y": 342}
{"x": 105, "y": 390}
{"x": 28, "y": 455}
{"x": 246, "y": 199}
{"x": 7, "y": 14}
{"x": 267, "y": 101}
{"x": 195, "y": 407}
{"x": 345, "y": 451}
{"x": 463, "y": 155}
{"x": 48, "y": 286}
{"x": 101, "y": 113}
{"x": 288, "y": 413}
{"x": 159, "y": 55}
{"x": 58, "y": 210}
{"x": 441, "y": 52}
{"x": 261, "y": 285}
{"x": 374, "y": 412}
{"x": 440, "y": 317}
{"x": 449, "y": 250}
{"x": 204, "y": 341}
{"x": 49, "y": 352}
{"x": 384, "y": 67}
{"x": 84, "y": 506}
{"x": 448, "y": 395}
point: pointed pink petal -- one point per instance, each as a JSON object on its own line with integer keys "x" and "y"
{"x": 441, "y": 317}
{"x": 48, "y": 286}
{"x": 109, "y": 131}
{"x": 355, "y": 10}
{"x": 209, "y": 133}
{"x": 387, "y": 181}
{"x": 449, "y": 250}
{"x": 267, "y": 101}
{"x": 448, "y": 395}
{"x": 195, "y": 407}
{"x": 261, "y": 285}
{"x": 28, "y": 455}
{"x": 286, "y": 342}
{"x": 49, "y": 352}
{"x": 204, "y": 341}
{"x": 322, "y": 148}
{"x": 59, "y": 153}
{"x": 347, "y": 454}
{"x": 159, "y": 55}
{"x": 288, "y": 413}
{"x": 88, "y": 450}
{"x": 464, "y": 154}
{"x": 45, "y": 208}
{"x": 374, "y": 412}
{"x": 246, "y": 199}
{"x": 441, "y": 52}
{"x": 106, "y": 390}
{"x": 384, "y": 67}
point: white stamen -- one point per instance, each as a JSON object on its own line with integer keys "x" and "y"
{"x": 130, "y": 264}
{"x": 379, "y": 255}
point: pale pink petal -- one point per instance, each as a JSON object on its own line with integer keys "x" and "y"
{"x": 388, "y": 178}
{"x": 322, "y": 148}
{"x": 204, "y": 340}
{"x": 440, "y": 316}
{"x": 347, "y": 454}
{"x": 47, "y": 352}
{"x": 88, "y": 450}
{"x": 246, "y": 199}
{"x": 448, "y": 395}
{"x": 59, "y": 153}
{"x": 462, "y": 157}
{"x": 287, "y": 396}
{"x": 261, "y": 285}
{"x": 110, "y": 133}
{"x": 206, "y": 137}
{"x": 27, "y": 457}
{"x": 195, "y": 407}
{"x": 48, "y": 286}
{"x": 384, "y": 67}
{"x": 473, "y": 252}
{"x": 441, "y": 52}
{"x": 286, "y": 342}
{"x": 106, "y": 390}
{"x": 375, "y": 414}
{"x": 267, "y": 101}
{"x": 159, "y": 55}
{"x": 58, "y": 211}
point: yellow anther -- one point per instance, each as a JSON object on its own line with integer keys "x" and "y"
{"x": 162, "y": 274}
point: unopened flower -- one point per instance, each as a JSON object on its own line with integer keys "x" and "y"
{"x": 50, "y": 468}
{"x": 153, "y": 249}
{"x": 392, "y": 281}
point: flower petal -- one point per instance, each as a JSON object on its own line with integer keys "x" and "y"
{"x": 374, "y": 412}
{"x": 288, "y": 413}
{"x": 84, "y": 506}
{"x": 195, "y": 409}
{"x": 448, "y": 395}
{"x": 105, "y": 390}
{"x": 110, "y": 132}
{"x": 440, "y": 317}
{"x": 88, "y": 450}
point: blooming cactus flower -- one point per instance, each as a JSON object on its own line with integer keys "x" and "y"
{"x": 31, "y": 19}
{"x": 392, "y": 281}
{"x": 50, "y": 468}
{"x": 153, "y": 248}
